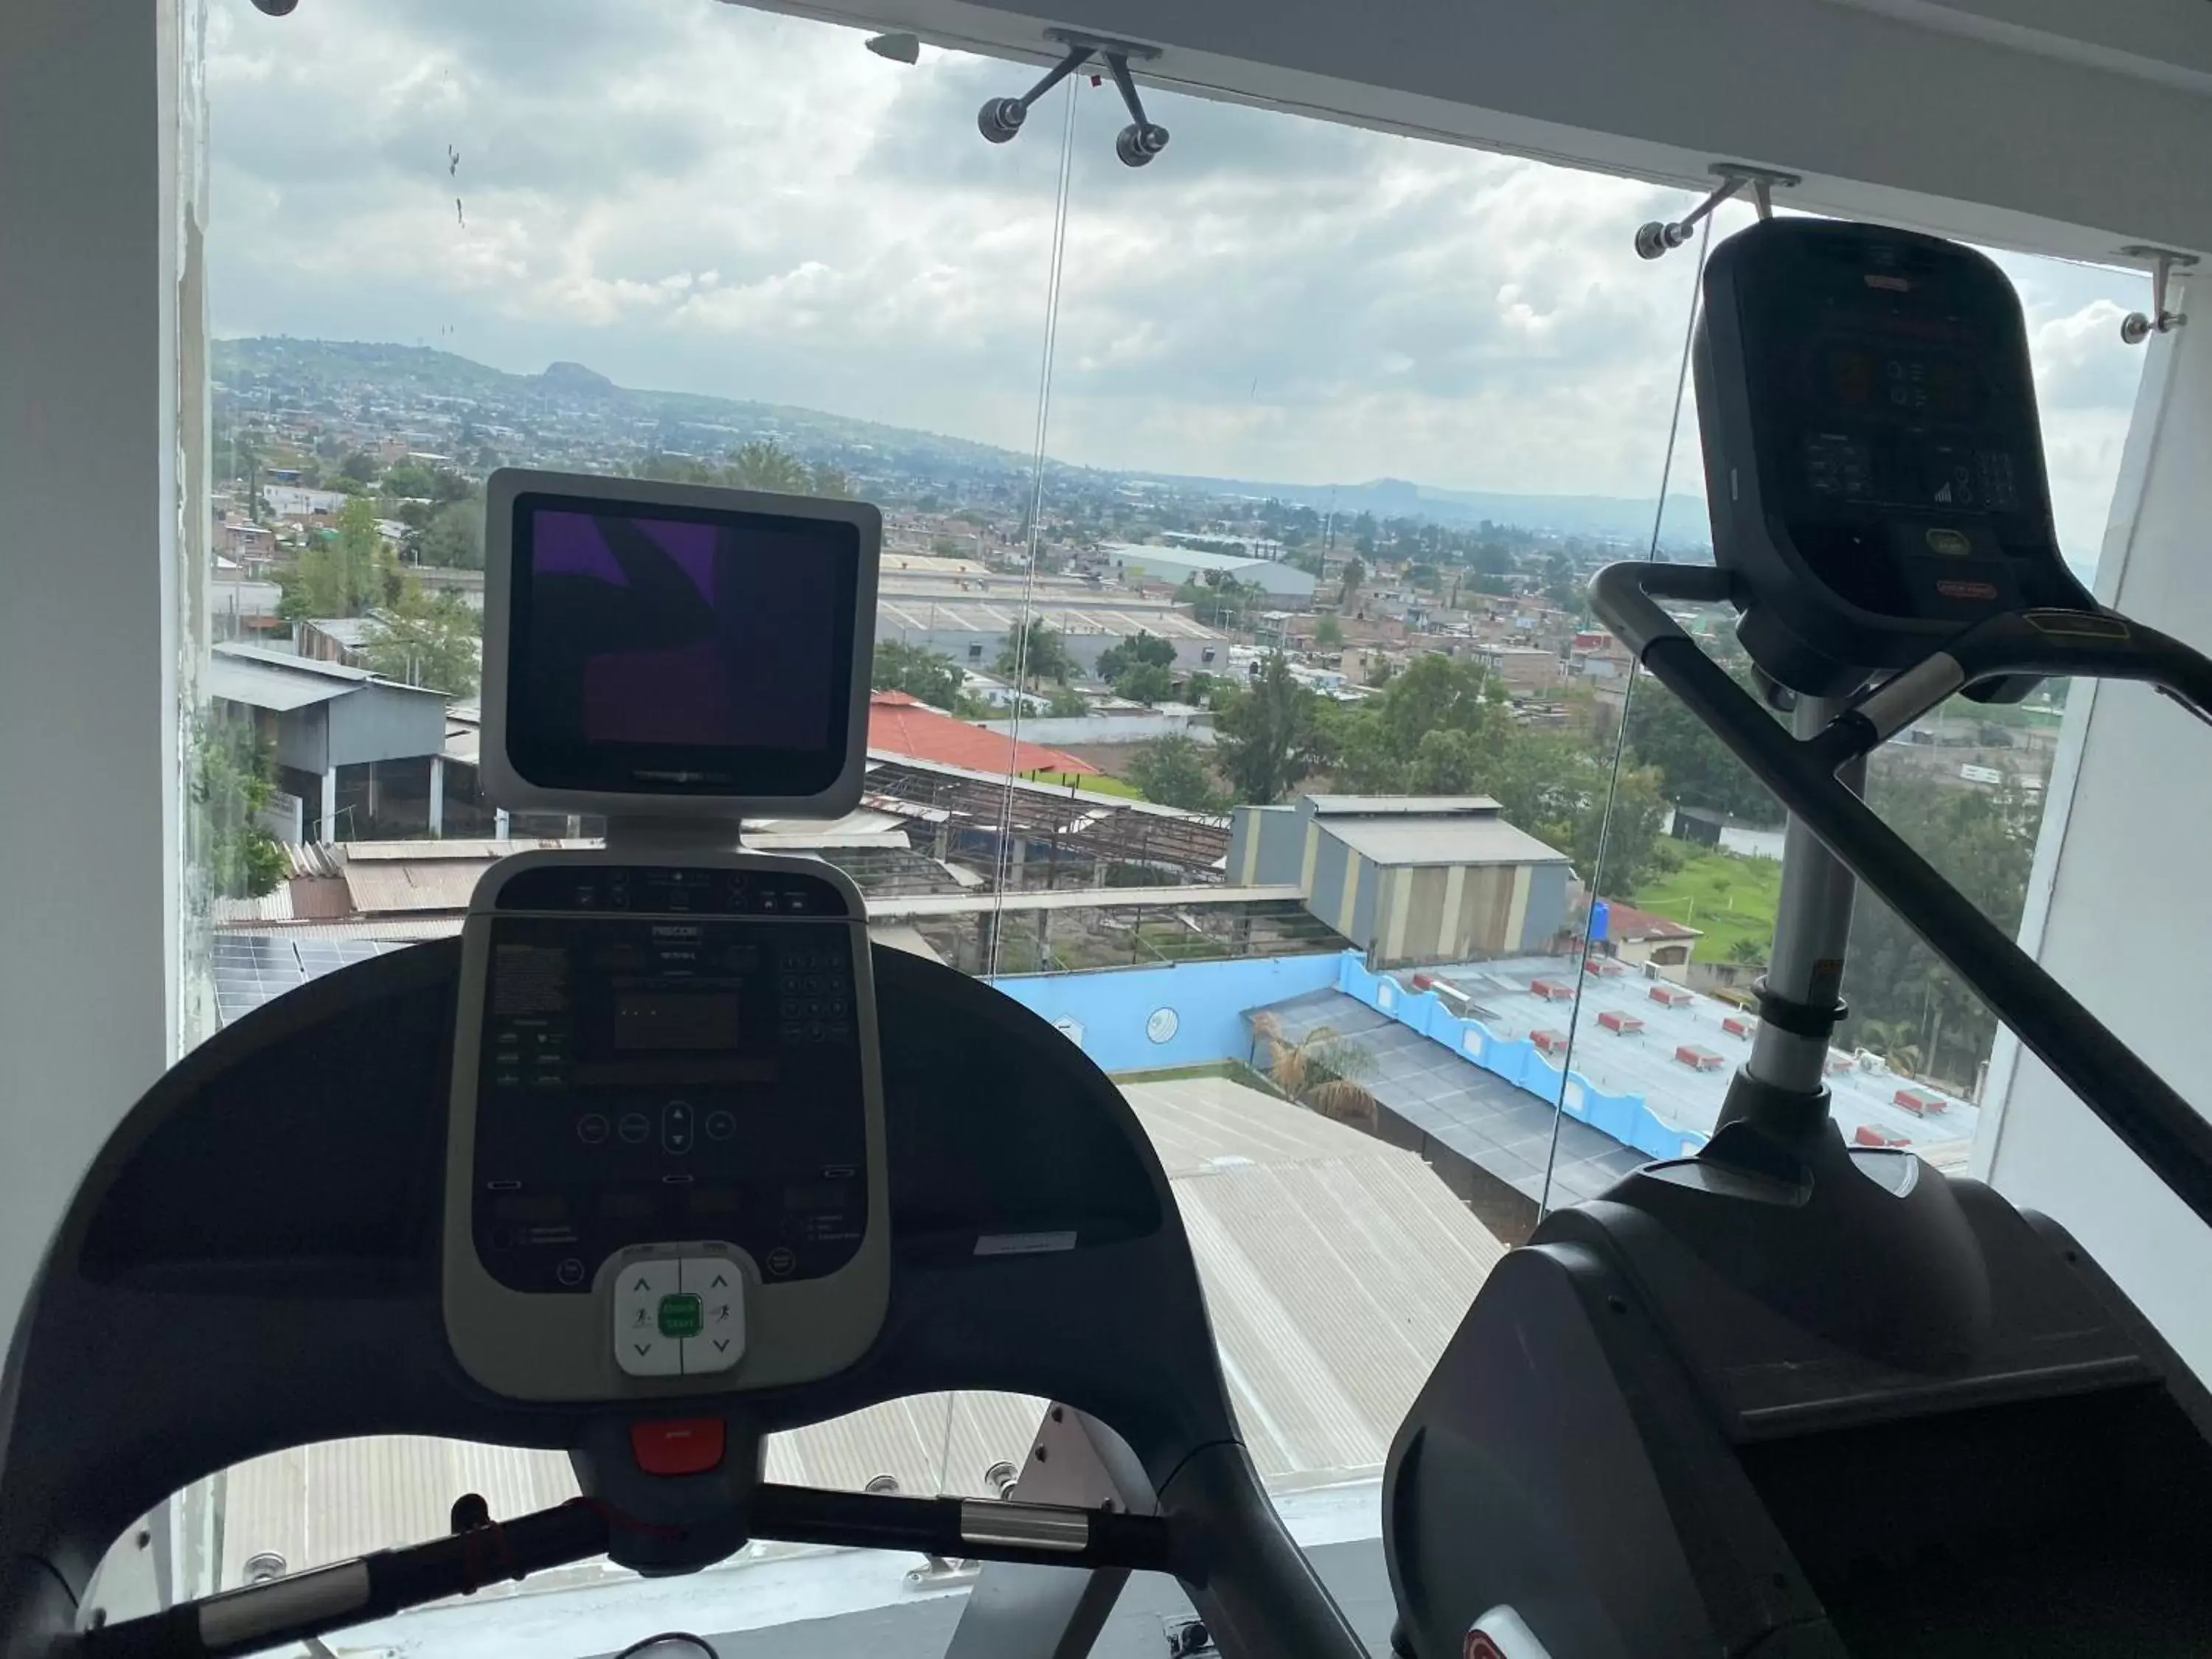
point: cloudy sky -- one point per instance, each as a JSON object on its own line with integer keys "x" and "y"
{"x": 689, "y": 195}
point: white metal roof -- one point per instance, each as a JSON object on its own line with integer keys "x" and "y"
{"x": 1399, "y": 806}
{"x": 280, "y": 682}
{"x": 1445, "y": 840}
{"x": 259, "y": 685}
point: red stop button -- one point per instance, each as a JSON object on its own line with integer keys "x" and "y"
{"x": 682, "y": 1445}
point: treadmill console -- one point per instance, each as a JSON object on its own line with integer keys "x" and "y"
{"x": 1872, "y": 453}
{"x": 664, "y": 1162}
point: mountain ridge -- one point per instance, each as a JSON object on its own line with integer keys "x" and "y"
{"x": 436, "y": 372}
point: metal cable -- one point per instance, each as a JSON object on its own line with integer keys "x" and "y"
{"x": 1621, "y": 736}
{"x": 1004, "y": 866}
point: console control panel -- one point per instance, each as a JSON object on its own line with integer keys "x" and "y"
{"x": 651, "y": 1054}
{"x": 678, "y": 1315}
{"x": 661, "y": 1060}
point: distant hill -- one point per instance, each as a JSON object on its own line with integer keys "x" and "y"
{"x": 1612, "y": 517}
{"x": 423, "y": 371}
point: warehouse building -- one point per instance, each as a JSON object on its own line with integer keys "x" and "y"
{"x": 1408, "y": 878}
{"x": 973, "y": 628}
{"x": 1284, "y": 584}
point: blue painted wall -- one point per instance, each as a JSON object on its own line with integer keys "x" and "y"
{"x": 1115, "y": 1006}
{"x": 1114, "y": 1010}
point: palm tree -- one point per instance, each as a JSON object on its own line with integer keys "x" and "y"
{"x": 1319, "y": 1071}
{"x": 1892, "y": 1039}
{"x": 764, "y": 464}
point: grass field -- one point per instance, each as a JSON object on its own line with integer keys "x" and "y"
{"x": 1092, "y": 783}
{"x": 1730, "y": 898}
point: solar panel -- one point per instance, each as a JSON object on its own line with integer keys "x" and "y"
{"x": 252, "y": 969}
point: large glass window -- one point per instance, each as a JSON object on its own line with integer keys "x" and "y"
{"x": 1237, "y": 706}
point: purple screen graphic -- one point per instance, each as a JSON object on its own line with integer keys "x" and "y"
{"x": 645, "y": 631}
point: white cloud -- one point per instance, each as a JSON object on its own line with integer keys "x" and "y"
{"x": 707, "y": 198}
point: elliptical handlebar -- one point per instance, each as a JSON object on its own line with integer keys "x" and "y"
{"x": 2154, "y": 1122}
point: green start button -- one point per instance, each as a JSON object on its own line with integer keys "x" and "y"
{"x": 680, "y": 1316}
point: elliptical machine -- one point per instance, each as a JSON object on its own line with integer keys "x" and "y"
{"x": 1787, "y": 1396}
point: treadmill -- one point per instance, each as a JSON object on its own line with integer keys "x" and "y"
{"x": 1788, "y": 1397}
{"x": 659, "y": 1158}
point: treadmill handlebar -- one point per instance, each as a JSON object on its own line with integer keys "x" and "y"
{"x": 2154, "y": 1122}
{"x": 346, "y": 1593}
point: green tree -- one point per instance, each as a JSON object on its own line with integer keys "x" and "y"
{"x": 1034, "y": 654}
{"x": 451, "y": 536}
{"x": 1439, "y": 693}
{"x": 1271, "y": 735}
{"x": 412, "y": 480}
{"x": 823, "y": 478}
{"x": 1146, "y": 683}
{"x": 1328, "y": 634}
{"x": 1983, "y": 844}
{"x": 1219, "y": 601}
{"x": 918, "y": 672}
{"x": 1064, "y": 702}
{"x": 1699, "y": 770}
{"x": 347, "y": 573}
{"x": 1172, "y": 770}
{"x": 359, "y": 466}
{"x": 1446, "y": 762}
{"x": 430, "y": 639}
{"x": 233, "y": 775}
{"x": 1141, "y": 649}
{"x": 765, "y": 464}
{"x": 1355, "y": 574}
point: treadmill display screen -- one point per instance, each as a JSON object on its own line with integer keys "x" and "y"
{"x": 677, "y": 651}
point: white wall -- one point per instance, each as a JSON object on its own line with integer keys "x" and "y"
{"x": 90, "y": 614}
{"x": 2117, "y": 902}
{"x": 2035, "y": 123}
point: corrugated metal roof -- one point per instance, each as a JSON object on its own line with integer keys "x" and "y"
{"x": 260, "y": 686}
{"x": 1399, "y": 806}
{"x": 1335, "y": 1268}
{"x": 281, "y": 682}
{"x": 1516, "y": 1136}
{"x": 266, "y": 657}
{"x": 1451, "y": 839}
{"x": 395, "y": 886}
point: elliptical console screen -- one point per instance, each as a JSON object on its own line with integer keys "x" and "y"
{"x": 674, "y": 650}
{"x": 668, "y": 1052}
{"x": 1872, "y": 452}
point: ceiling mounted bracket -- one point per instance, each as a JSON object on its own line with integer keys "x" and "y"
{"x": 2135, "y": 327}
{"x": 1735, "y": 177}
{"x": 1000, "y": 118}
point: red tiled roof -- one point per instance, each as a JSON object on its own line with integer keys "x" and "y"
{"x": 899, "y": 724}
{"x": 1626, "y": 921}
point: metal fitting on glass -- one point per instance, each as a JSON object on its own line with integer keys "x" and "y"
{"x": 1656, "y": 238}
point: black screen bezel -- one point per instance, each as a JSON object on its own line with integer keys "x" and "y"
{"x": 638, "y": 768}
